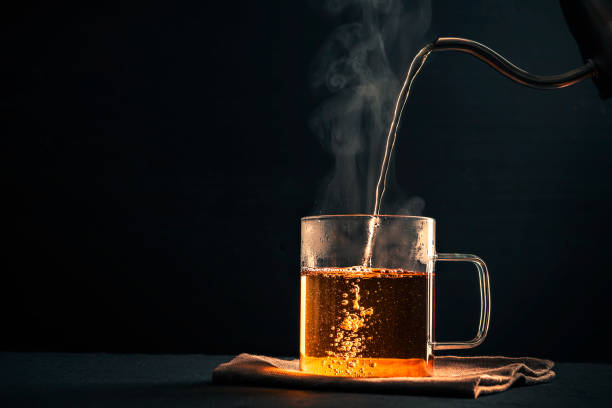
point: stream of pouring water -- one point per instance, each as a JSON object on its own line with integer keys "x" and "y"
{"x": 415, "y": 67}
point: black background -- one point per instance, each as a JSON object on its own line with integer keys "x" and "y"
{"x": 157, "y": 160}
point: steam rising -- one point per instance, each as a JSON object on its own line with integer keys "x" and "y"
{"x": 361, "y": 67}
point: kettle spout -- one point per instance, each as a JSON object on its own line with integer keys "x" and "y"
{"x": 508, "y": 69}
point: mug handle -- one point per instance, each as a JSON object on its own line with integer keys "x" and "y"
{"x": 485, "y": 302}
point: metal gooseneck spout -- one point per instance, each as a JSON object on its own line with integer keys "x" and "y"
{"x": 590, "y": 22}
{"x": 510, "y": 70}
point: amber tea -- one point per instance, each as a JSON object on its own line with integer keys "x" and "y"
{"x": 365, "y": 322}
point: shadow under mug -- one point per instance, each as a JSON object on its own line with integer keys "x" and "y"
{"x": 367, "y": 296}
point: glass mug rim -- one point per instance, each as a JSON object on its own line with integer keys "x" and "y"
{"x": 399, "y": 216}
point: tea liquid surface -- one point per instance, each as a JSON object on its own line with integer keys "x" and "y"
{"x": 365, "y": 322}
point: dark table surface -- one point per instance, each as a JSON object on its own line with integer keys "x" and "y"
{"x": 116, "y": 380}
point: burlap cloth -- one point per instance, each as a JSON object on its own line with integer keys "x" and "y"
{"x": 453, "y": 376}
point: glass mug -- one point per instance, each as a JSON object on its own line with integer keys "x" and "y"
{"x": 367, "y": 296}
